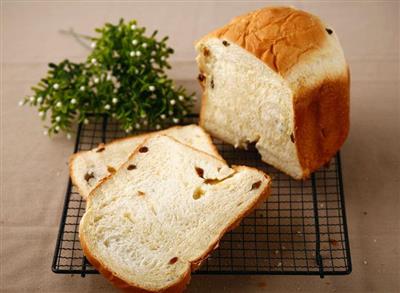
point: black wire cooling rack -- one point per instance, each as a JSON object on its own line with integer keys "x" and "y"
{"x": 300, "y": 230}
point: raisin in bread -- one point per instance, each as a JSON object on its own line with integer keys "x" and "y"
{"x": 276, "y": 77}
{"x": 88, "y": 168}
{"x": 163, "y": 212}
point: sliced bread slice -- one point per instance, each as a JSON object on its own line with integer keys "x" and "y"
{"x": 88, "y": 168}
{"x": 163, "y": 212}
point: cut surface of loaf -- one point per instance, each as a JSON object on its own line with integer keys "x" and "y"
{"x": 148, "y": 227}
{"x": 88, "y": 168}
{"x": 276, "y": 77}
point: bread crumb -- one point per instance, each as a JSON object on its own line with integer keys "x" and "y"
{"x": 365, "y": 262}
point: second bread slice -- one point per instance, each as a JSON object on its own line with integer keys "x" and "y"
{"x": 88, "y": 168}
{"x": 163, "y": 212}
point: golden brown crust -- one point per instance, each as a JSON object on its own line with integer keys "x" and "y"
{"x": 321, "y": 121}
{"x": 279, "y": 36}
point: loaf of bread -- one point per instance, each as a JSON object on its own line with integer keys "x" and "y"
{"x": 88, "y": 168}
{"x": 276, "y": 77}
{"x": 163, "y": 212}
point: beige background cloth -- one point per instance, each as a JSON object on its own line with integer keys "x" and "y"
{"x": 34, "y": 170}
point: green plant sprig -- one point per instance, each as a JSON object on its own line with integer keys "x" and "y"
{"x": 124, "y": 77}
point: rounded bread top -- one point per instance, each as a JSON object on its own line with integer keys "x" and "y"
{"x": 279, "y": 36}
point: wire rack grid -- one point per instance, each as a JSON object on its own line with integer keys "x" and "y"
{"x": 300, "y": 230}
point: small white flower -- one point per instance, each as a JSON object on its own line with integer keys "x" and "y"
{"x": 133, "y": 26}
{"x": 137, "y": 126}
{"x": 172, "y": 102}
{"x": 93, "y": 45}
{"x": 129, "y": 129}
{"x": 144, "y": 45}
{"x": 115, "y": 100}
{"x": 56, "y": 86}
{"x": 39, "y": 99}
{"x": 108, "y": 77}
{"x": 41, "y": 114}
{"x": 152, "y": 88}
{"x": 86, "y": 121}
{"x": 194, "y": 98}
{"x": 73, "y": 101}
{"x": 158, "y": 126}
{"x": 145, "y": 122}
{"x": 136, "y": 71}
{"x": 134, "y": 42}
{"x": 107, "y": 107}
{"x": 153, "y": 53}
{"x": 162, "y": 58}
{"x": 175, "y": 120}
{"x": 113, "y": 115}
{"x": 132, "y": 54}
{"x": 82, "y": 88}
{"x": 94, "y": 61}
{"x": 20, "y": 103}
{"x": 152, "y": 60}
{"x": 172, "y": 86}
{"x": 69, "y": 136}
{"x": 143, "y": 115}
{"x": 57, "y": 128}
{"x": 59, "y": 104}
{"x": 138, "y": 53}
{"x": 162, "y": 116}
{"x": 96, "y": 80}
{"x": 184, "y": 112}
{"x": 58, "y": 118}
{"x": 45, "y": 133}
{"x": 170, "y": 113}
{"x": 153, "y": 96}
{"x": 181, "y": 98}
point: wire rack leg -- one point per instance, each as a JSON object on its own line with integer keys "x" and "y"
{"x": 318, "y": 257}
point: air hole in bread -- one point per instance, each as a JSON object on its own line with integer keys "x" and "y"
{"x": 206, "y": 52}
{"x": 89, "y": 175}
{"x": 201, "y": 77}
{"x": 329, "y": 31}
{"x": 128, "y": 216}
{"x": 173, "y": 260}
{"x": 143, "y": 149}
{"x": 292, "y": 137}
{"x": 256, "y": 185}
{"x": 106, "y": 243}
{"x": 212, "y": 83}
{"x": 199, "y": 172}
{"x": 111, "y": 169}
{"x": 141, "y": 193}
{"x": 239, "y": 204}
{"x": 131, "y": 167}
{"x": 225, "y": 43}
{"x": 198, "y": 193}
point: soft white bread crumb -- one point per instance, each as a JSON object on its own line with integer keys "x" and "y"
{"x": 88, "y": 168}
{"x": 147, "y": 227}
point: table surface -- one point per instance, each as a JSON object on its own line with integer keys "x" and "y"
{"x": 34, "y": 169}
